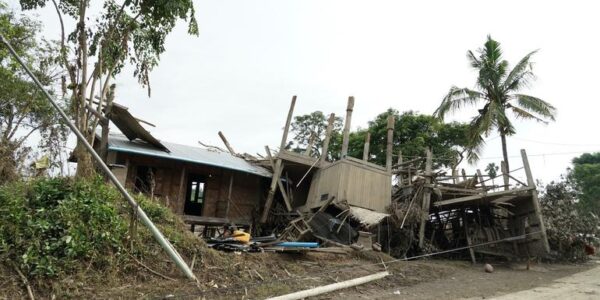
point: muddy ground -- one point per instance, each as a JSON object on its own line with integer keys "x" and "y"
{"x": 261, "y": 275}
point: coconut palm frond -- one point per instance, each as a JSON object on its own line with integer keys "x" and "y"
{"x": 456, "y": 99}
{"x": 536, "y": 105}
{"x": 520, "y": 75}
{"x": 523, "y": 114}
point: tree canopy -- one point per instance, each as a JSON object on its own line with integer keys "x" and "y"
{"x": 413, "y": 133}
{"x": 585, "y": 176}
{"x": 94, "y": 51}
{"x": 23, "y": 109}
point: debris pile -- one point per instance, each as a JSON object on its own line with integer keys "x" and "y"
{"x": 434, "y": 212}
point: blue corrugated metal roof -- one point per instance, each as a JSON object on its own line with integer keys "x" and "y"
{"x": 120, "y": 143}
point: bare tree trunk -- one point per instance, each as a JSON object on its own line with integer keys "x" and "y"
{"x": 504, "y": 151}
{"x": 85, "y": 167}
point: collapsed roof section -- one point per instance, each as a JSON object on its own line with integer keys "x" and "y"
{"x": 131, "y": 128}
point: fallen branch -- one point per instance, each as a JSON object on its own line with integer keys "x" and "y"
{"x": 151, "y": 271}
{"x": 25, "y": 281}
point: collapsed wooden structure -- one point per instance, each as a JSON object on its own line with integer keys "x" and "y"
{"x": 471, "y": 211}
{"x": 306, "y": 182}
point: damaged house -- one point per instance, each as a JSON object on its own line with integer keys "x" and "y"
{"x": 208, "y": 186}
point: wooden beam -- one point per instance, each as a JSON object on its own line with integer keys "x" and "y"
{"x": 325, "y": 147}
{"x": 480, "y": 196}
{"x": 390, "y": 143}
{"x": 426, "y": 198}
{"x": 288, "y": 121}
{"x": 286, "y": 199}
{"x": 229, "y": 148}
{"x": 535, "y": 200}
{"x": 480, "y": 177}
{"x": 347, "y": 124}
{"x": 366, "y": 147}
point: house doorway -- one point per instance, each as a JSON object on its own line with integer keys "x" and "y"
{"x": 195, "y": 195}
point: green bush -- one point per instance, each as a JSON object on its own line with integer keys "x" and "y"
{"x": 49, "y": 226}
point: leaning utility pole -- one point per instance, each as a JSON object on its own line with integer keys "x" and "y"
{"x": 166, "y": 245}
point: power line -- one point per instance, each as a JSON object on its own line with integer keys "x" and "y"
{"x": 556, "y": 144}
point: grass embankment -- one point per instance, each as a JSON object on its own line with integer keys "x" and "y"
{"x": 68, "y": 237}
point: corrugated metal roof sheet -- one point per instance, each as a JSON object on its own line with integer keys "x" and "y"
{"x": 120, "y": 143}
{"x": 130, "y": 126}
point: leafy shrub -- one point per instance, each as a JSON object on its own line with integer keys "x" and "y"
{"x": 49, "y": 224}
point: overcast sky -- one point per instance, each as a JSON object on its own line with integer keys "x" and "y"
{"x": 251, "y": 57}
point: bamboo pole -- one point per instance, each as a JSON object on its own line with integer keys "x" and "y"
{"x": 165, "y": 244}
{"x": 331, "y": 287}
{"x": 311, "y": 142}
{"x": 347, "y": 124}
{"x": 227, "y": 145}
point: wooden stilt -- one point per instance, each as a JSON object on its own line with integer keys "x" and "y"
{"x": 504, "y": 175}
{"x": 347, "y": 124}
{"x": 325, "y": 146}
{"x": 366, "y": 147}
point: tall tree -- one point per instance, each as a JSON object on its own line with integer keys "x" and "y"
{"x": 498, "y": 88}
{"x": 23, "y": 110}
{"x": 315, "y": 125}
{"x": 94, "y": 52}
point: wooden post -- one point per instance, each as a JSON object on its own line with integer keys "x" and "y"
{"x": 504, "y": 174}
{"x": 481, "y": 180}
{"x": 454, "y": 175}
{"x": 464, "y": 174}
{"x": 182, "y": 190}
{"x": 468, "y": 236}
{"x": 366, "y": 148}
{"x": 229, "y": 148}
{"x": 325, "y": 148}
{"x": 400, "y": 176}
{"x": 426, "y": 197}
{"x": 278, "y": 165}
{"x": 534, "y": 199}
{"x": 347, "y": 124}
{"x": 390, "y": 143}
{"x": 229, "y": 196}
{"x": 311, "y": 142}
{"x": 284, "y": 191}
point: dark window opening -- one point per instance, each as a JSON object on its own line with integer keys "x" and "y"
{"x": 195, "y": 195}
{"x": 144, "y": 179}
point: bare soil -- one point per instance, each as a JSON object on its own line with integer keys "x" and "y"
{"x": 260, "y": 275}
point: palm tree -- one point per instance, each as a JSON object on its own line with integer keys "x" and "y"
{"x": 498, "y": 88}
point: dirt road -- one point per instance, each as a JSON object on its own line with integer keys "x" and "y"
{"x": 461, "y": 280}
{"x": 583, "y": 285}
